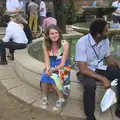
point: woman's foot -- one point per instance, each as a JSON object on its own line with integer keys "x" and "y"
{"x": 59, "y": 104}
{"x": 44, "y": 103}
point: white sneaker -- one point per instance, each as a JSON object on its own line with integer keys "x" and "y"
{"x": 59, "y": 104}
{"x": 44, "y": 103}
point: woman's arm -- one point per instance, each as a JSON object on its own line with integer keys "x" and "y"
{"x": 64, "y": 58}
{"x": 46, "y": 58}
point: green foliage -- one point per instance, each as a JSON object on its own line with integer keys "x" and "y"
{"x": 110, "y": 2}
{"x": 72, "y": 16}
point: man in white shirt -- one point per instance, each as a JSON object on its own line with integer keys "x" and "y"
{"x": 91, "y": 50}
{"x": 14, "y": 6}
{"x": 14, "y": 38}
{"x": 42, "y": 11}
{"x": 116, "y": 14}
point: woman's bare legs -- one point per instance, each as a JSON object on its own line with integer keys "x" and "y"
{"x": 44, "y": 88}
{"x": 60, "y": 101}
{"x": 44, "y": 99}
{"x": 60, "y": 95}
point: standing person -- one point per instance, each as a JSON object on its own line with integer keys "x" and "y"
{"x": 94, "y": 4}
{"x": 91, "y": 50}
{"x": 14, "y": 6}
{"x": 42, "y": 11}
{"x": 33, "y": 9}
{"x": 57, "y": 66}
{"x": 14, "y": 38}
{"x": 48, "y": 21}
{"x": 50, "y": 7}
{"x": 116, "y": 14}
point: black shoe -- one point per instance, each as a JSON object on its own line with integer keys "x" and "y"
{"x": 117, "y": 112}
{"x": 11, "y": 57}
{"x": 3, "y": 62}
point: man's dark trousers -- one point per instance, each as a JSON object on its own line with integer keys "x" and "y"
{"x": 12, "y": 46}
{"x": 90, "y": 87}
{"x": 116, "y": 19}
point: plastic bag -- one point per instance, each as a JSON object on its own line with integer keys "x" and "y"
{"x": 109, "y": 97}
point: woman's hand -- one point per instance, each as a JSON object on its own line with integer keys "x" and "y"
{"x": 49, "y": 72}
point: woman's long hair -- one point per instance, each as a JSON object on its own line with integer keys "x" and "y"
{"x": 47, "y": 40}
{"x": 19, "y": 19}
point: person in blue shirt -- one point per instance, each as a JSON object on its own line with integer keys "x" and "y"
{"x": 116, "y": 14}
{"x": 94, "y": 3}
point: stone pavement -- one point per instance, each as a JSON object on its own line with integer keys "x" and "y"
{"x": 27, "y": 94}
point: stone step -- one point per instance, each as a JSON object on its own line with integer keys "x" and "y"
{"x": 32, "y": 96}
{"x": 75, "y": 109}
{"x": 77, "y": 89}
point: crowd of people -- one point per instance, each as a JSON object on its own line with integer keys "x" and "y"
{"x": 34, "y": 13}
{"x": 21, "y": 24}
{"x": 91, "y": 50}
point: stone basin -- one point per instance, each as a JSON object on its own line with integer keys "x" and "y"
{"x": 99, "y": 11}
{"x": 30, "y": 68}
{"x": 84, "y": 29}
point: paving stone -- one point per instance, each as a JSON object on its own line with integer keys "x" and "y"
{"x": 52, "y": 101}
{"x": 12, "y": 83}
{"x": 7, "y": 73}
{"x": 74, "y": 109}
{"x": 107, "y": 115}
{"x": 113, "y": 108}
{"x": 25, "y": 93}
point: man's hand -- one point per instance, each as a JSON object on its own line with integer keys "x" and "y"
{"x": 107, "y": 84}
{"x": 118, "y": 64}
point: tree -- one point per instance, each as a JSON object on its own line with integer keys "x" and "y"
{"x": 59, "y": 13}
{"x": 110, "y": 2}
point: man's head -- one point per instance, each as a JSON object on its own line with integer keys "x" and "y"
{"x": 99, "y": 29}
{"x": 6, "y": 19}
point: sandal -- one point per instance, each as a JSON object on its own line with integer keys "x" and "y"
{"x": 59, "y": 104}
{"x": 44, "y": 103}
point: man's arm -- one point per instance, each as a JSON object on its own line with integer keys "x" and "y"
{"x": 88, "y": 72}
{"x": 8, "y": 35}
{"x": 117, "y": 11}
{"x": 112, "y": 61}
{"x": 114, "y": 5}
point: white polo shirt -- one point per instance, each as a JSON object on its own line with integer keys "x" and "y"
{"x": 12, "y": 5}
{"x": 86, "y": 50}
{"x": 42, "y": 5}
{"x": 15, "y": 31}
{"x": 116, "y": 4}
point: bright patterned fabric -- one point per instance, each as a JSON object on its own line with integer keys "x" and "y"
{"x": 60, "y": 78}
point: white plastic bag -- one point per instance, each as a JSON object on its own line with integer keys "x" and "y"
{"x": 109, "y": 97}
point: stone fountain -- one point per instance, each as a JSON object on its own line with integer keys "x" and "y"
{"x": 113, "y": 33}
{"x": 99, "y": 12}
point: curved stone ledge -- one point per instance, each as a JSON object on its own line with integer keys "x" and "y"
{"x": 30, "y": 69}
